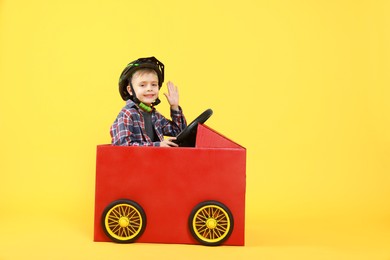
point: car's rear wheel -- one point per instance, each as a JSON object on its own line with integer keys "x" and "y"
{"x": 123, "y": 221}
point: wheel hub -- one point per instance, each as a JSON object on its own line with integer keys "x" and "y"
{"x": 211, "y": 223}
{"x": 124, "y": 221}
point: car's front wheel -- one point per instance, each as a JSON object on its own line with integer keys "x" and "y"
{"x": 211, "y": 223}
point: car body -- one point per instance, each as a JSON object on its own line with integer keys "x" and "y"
{"x": 168, "y": 188}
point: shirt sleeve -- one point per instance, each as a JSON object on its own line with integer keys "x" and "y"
{"x": 178, "y": 123}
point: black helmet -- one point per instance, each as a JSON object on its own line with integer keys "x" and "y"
{"x": 141, "y": 63}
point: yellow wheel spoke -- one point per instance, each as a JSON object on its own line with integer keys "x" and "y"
{"x": 221, "y": 229}
{"x": 203, "y": 215}
{"x": 120, "y": 210}
{"x": 219, "y": 215}
{"x": 213, "y": 212}
{"x": 206, "y": 233}
{"x": 217, "y": 233}
{"x": 132, "y": 214}
{"x": 124, "y": 232}
{"x": 221, "y": 218}
{"x": 133, "y": 229}
{"x": 116, "y": 213}
{"x": 202, "y": 228}
{"x": 115, "y": 229}
{"x": 126, "y": 211}
{"x": 134, "y": 217}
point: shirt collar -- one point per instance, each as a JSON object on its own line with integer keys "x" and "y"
{"x": 130, "y": 103}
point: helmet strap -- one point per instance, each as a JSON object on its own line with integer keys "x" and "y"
{"x": 145, "y": 107}
{"x": 135, "y": 99}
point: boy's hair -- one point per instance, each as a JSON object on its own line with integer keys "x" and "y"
{"x": 141, "y": 72}
{"x": 150, "y": 63}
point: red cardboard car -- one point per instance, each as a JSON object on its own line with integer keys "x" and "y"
{"x": 183, "y": 195}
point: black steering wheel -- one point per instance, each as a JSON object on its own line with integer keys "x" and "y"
{"x": 187, "y": 137}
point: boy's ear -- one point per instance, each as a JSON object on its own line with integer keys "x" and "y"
{"x": 129, "y": 90}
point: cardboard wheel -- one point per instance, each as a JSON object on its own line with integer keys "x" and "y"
{"x": 211, "y": 223}
{"x": 123, "y": 221}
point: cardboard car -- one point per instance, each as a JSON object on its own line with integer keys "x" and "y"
{"x": 181, "y": 195}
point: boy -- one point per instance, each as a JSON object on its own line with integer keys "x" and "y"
{"x": 139, "y": 123}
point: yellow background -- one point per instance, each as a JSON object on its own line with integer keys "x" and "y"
{"x": 303, "y": 85}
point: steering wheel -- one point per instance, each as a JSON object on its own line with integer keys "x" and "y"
{"x": 187, "y": 137}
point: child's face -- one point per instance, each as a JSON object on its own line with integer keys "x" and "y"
{"x": 145, "y": 86}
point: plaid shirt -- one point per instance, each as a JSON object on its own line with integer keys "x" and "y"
{"x": 128, "y": 128}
